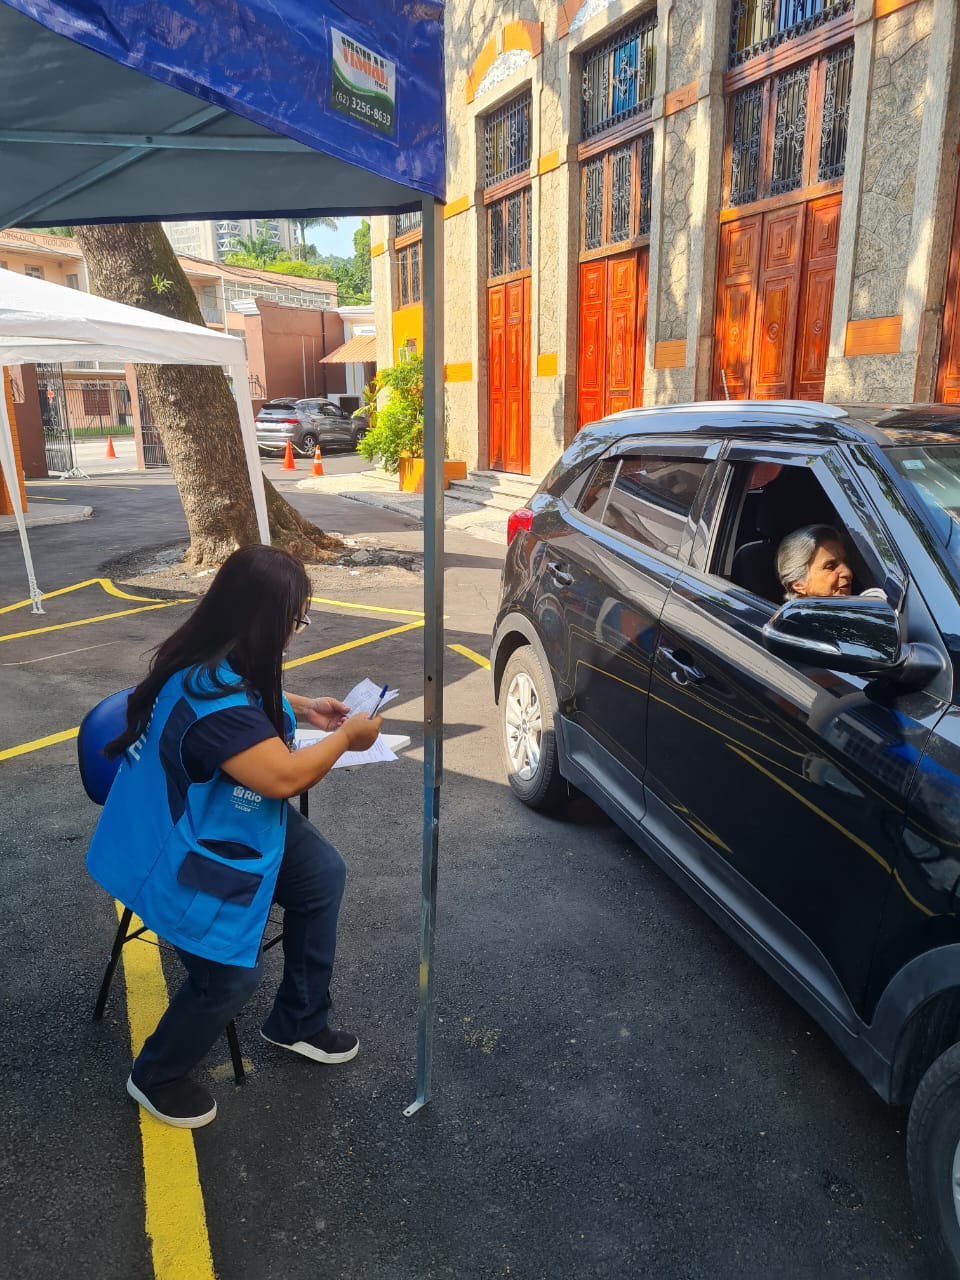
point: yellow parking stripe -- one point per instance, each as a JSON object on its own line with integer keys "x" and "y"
{"x": 38, "y": 743}
{"x": 351, "y": 644}
{"x": 370, "y": 608}
{"x": 105, "y": 583}
{"x": 176, "y": 1221}
{"x": 103, "y": 617}
{"x": 469, "y": 653}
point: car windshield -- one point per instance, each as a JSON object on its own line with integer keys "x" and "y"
{"x": 931, "y": 473}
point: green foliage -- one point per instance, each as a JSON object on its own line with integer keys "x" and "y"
{"x": 160, "y": 284}
{"x": 351, "y": 275}
{"x": 398, "y": 426}
{"x": 368, "y": 405}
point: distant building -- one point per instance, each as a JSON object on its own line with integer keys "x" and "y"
{"x": 288, "y": 324}
{"x": 212, "y": 240}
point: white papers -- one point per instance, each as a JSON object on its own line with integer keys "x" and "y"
{"x": 363, "y": 697}
{"x": 385, "y": 747}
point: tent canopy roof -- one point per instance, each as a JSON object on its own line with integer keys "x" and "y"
{"x": 111, "y": 111}
{"x": 43, "y": 322}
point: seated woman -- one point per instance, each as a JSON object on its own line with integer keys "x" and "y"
{"x": 812, "y": 561}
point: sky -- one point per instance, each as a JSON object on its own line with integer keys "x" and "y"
{"x": 339, "y": 242}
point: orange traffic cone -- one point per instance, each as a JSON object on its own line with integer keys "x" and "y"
{"x": 111, "y": 451}
{"x": 317, "y": 462}
{"x": 288, "y": 463}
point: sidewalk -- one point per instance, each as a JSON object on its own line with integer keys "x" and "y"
{"x": 479, "y": 505}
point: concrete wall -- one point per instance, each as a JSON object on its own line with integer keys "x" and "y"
{"x": 285, "y": 346}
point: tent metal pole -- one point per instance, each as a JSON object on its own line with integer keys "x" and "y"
{"x": 434, "y": 440}
{"x": 8, "y": 466}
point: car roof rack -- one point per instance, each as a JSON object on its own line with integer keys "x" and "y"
{"x": 789, "y": 408}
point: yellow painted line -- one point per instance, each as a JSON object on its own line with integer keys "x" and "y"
{"x": 469, "y": 653}
{"x": 104, "y": 583}
{"x": 911, "y": 899}
{"x": 87, "y": 484}
{"x": 103, "y": 617}
{"x": 38, "y": 743}
{"x": 370, "y": 608}
{"x": 176, "y": 1221}
{"x": 351, "y": 644}
{"x": 43, "y": 497}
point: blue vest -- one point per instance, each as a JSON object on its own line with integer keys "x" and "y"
{"x": 196, "y": 861}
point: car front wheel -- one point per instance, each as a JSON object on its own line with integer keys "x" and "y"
{"x": 933, "y": 1161}
{"x": 358, "y": 436}
{"x": 528, "y": 744}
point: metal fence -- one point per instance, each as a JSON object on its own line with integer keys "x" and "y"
{"x": 57, "y": 440}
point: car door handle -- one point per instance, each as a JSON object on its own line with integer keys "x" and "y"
{"x": 682, "y": 670}
{"x": 559, "y": 574}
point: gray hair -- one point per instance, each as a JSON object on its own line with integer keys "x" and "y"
{"x": 796, "y": 552}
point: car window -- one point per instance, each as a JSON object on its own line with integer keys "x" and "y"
{"x": 763, "y": 503}
{"x": 644, "y": 497}
{"x": 331, "y": 411}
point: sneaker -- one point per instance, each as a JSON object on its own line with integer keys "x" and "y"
{"x": 323, "y": 1046}
{"x": 182, "y": 1103}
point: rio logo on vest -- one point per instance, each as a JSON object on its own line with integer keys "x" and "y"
{"x": 245, "y": 799}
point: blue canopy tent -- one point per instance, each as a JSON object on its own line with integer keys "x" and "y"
{"x": 116, "y": 111}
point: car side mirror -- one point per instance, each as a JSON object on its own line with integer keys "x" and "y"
{"x": 847, "y": 633}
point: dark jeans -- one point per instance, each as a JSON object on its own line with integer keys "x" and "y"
{"x": 309, "y": 888}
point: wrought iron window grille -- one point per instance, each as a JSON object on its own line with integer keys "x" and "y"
{"x": 836, "y": 113}
{"x": 510, "y": 234}
{"x": 506, "y": 142}
{"x": 789, "y": 129}
{"x": 757, "y": 26}
{"x": 619, "y": 77}
{"x": 404, "y": 222}
{"x": 745, "y": 149}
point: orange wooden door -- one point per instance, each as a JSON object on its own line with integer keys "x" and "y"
{"x": 640, "y": 346}
{"x": 621, "y": 332}
{"x": 736, "y": 308}
{"x": 591, "y": 362}
{"x": 778, "y": 296}
{"x": 948, "y": 374}
{"x": 496, "y": 354}
{"x": 508, "y": 328}
{"x": 816, "y": 301}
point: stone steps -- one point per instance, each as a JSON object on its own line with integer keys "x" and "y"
{"x": 494, "y": 490}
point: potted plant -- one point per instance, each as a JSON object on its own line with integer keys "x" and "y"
{"x": 396, "y": 427}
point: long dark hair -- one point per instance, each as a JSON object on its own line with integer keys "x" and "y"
{"x": 244, "y": 619}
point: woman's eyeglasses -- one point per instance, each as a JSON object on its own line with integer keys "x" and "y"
{"x": 301, "y": 624}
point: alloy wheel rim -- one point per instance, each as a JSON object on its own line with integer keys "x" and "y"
{"x": 955, "y": 1181}
{"x": 523, "y": 726}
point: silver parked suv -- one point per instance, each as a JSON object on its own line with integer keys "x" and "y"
{"x": 306, "y": 424}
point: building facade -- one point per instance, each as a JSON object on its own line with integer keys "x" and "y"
{"x": 656, "y": 202}
{"x": 213, "y": 240}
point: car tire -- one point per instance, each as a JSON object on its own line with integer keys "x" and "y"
{"x": 528, "y": 744}
{"x": 933, "y": 1162}
{"x": 358, "y": 436}
{"x": 309, "y": 442}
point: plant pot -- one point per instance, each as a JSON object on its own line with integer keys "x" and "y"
{"x": 412, "y": 469}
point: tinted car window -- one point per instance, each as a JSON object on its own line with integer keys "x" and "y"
{"x": 651, "y": 499}
{"x": 594, "y": 498}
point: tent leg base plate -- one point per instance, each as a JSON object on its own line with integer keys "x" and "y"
{"x": 414, "y": 1107}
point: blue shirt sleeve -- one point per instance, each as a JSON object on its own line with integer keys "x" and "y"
{"x": 222, "y": 734}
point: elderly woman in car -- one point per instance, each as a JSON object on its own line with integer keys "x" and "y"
{"x": 812, "y": 561}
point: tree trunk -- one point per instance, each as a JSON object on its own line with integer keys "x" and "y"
{"x": 192, "y": 405}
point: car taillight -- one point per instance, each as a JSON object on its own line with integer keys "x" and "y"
{"x": 521, "y": 519}
{"x": 288, "y": 422}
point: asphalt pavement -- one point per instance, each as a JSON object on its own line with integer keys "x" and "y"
{"x": 618, "y": 1091}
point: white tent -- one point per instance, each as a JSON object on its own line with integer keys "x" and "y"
{"x": 42, "y": 322}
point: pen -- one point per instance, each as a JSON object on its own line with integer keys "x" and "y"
{"x": 380, "y": 697}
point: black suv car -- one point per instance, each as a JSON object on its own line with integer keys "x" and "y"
{"x": 794, "y": 766}
{"x": 306, "y": 424}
